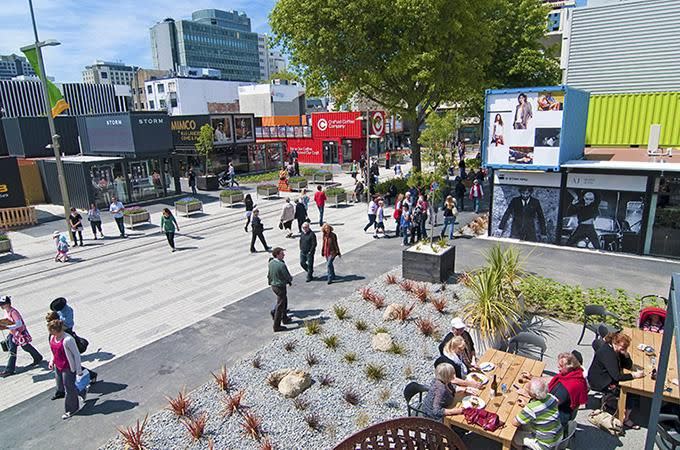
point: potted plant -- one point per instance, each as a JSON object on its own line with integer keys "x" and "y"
{"x": 433, "y": 262}
{"x": 297, "y": 183}
{"x": 308, "y": 173}
{"x": 135, "y": 215}
{"x": 230, "y": 196}
{"x": 267, "y": 190}
{"x": 5, "y": 243}
{"x": 188, "y": 205}
{"x": 322, "y": 176}
{"x": 336, "y": 196}
{"x": 204, "y": 147}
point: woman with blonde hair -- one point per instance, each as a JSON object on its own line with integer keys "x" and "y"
{"x": 329, "y": 249}
{"x": 453, "y": 353}
{"x": 569, "y": 387}
{"x": 440, "y": 399}
{"x": 450, "y": 213}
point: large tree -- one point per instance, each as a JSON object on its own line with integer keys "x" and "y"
{"x": 408, "y": 56}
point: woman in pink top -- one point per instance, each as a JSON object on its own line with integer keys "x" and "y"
{"x": 66, "y": 364}
{"x": 18, "y": 337}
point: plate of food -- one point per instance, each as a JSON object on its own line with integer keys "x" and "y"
{"x": 472, "y": 401}
{"x": 487, "y": 366}
{"x": 477, "y": 377}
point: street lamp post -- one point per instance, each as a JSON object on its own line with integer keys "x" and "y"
{"x": 48, "y": 109}
{"x": 368, "y": 156}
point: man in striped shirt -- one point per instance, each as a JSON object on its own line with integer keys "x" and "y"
{"x": 539, "y": 419}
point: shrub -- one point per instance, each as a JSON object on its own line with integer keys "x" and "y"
{"x": 422, "y": 293}
{"x": 257, "y": 362}
{"x": 384, "y": 187}
{"x": 350, "y": 357}
{"x": 290, "y": 346}
{"x": 180, "y": 405}
{"x": 380, "y": 330}
{"x": 187, "y": 201}
{"x": 326, "y": 380}
{"x": 426, "y": 326}
{"x": 312, "y": 327}
{"x": 331, "y": 342}
{"x": 403, "y": 312}
{"x": 133, "y": 210}
{"x": 313, "y": 421}
{"x": 439, "y": 304}
{"x": 296, "y": 179}
{"x": 222, "y": 379}
{"x": 308, "y": 171}
{"x": 195, "y": 425}
{"x": 408, "y": 372}
{"x": 366, "y": 293}
{"x": 311, "y": 359}
{"x": 300, "y": 403}
{"x": 397, "y": 349}
{"x": 233, "y": 403}
{"x": 407, "y": 286}
{"x": 362, "y": 420}
{"x": 361, "y": 325}
{"x": 375, "y": 372}
{"x": 384, "y": 395}
{"x": 267, "y": 445}
{"x": 133, "y": 437}
{"x": 351, "y": 397}
{"x": 4, "y": 237}
{"x": 370, "y": 296}
{"x": 252, "y": 425}
{"x": 340, "y": 312}
{"x": 259, "y": 177}
{"x": 332, "y": 192}
{"x": 391, "y": 278}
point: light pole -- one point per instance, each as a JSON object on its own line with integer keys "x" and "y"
{"x": 368, "y": 154}
{"x": 48, "y": 110}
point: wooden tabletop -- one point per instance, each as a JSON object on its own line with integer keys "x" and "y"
{"x": 645, "y": 386}
{"x": 508, "y": 369}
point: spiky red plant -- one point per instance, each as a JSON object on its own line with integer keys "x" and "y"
{"x": 222, "y": 379}
{"x": 426, "y": 326}
{"x": 422, "y": 293}
{"x": 195, "y": 425}
{"x": 366, "y": 293}
{"x": 391, "y": 278}
{"x": 439, "y": 304}
{"x": 134, "y": 436}
{"x": 233, "y": 403}
{"x": 180, "y": 405}
{"x": 407, "y": 285}
{"x": 378, "y": 301}
{"x": 403, "y": 312}
{"x": 252, "y": 425}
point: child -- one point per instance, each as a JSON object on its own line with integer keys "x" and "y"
{"x": 380, "y": 220}
{"x": 653, "y": 323}
{"x": 62, "y": 247}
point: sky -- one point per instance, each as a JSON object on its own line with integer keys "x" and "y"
{"x": 109, "y": 30}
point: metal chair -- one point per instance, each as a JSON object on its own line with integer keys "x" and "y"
{"x": 411, "y": 390}
{"x": 667, "y": 432}
{"x": 521, "y": 344}
{"x": 598, "y": 311}
{"x": 568, "y": 436}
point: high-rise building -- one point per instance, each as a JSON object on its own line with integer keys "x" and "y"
{"x": 13, "y": 66}
{"x": 185, "y": 96}
{"x": 139, "y": 100}
{"x": 263, "y": 56}
{"x": 277, "y": 62}
{"x": 103, "y": 72}
{"x": 213, "y": 39}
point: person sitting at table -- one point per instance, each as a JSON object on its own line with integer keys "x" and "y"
{"x": 606, "y": 372}
{"x": 453, "y": 354}
{"x": 439, "y": 400}
{"x": 458, "y": 329}
{"x": 539, "y": 418}
{"x": 569, "y": 387}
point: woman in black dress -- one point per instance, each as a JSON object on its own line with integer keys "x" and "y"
{"x": 249, "y": 209}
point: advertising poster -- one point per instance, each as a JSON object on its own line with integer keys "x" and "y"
{"x": 281, "y": 130}
{"x": 11, "y": 189}
{"x": 603, "y": 212}
{"x": 524, "y": 128}
{"x": 289, "y": 131}
{"x": 526, "y": 205}
{"x": 222, "y": 130}
{"x": 307, "y": 131}
{"x": 258, "y": 132}
{"x": 297, "y": 132}
{"x": 265, "y": 132}
{"x": 186, "y": 129}
{"x": 244, "y": 126}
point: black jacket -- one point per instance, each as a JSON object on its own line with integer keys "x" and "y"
{"x": 524, "y": 219}
{"x": 443, "y": 359}
{"x": 606, "y": 368}
{"x": 257, "y": 226}
{"x": 307, "y": 243}
{"x": 469, "y": 345}
{"x": 459, "y": 189}
{"x": 300, "y": 212}
{"x": 249, "y": 204}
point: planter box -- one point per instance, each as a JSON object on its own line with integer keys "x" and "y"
{"x": 188, "y": 208}
{"x": 337, "y": 199}
{"x": 428, "y": 266}
{"x": 207, "y": 183}
{"x": 297, "y": 185}
{"x": 131, "y": 220}
{"x": 322, "y": 177}
{"x": 267, "y": 191}
{"x": 231, "y": 199}
{"x": 6, "y": 246}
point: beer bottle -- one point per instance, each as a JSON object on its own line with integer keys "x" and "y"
{"x": 494, "y": 387}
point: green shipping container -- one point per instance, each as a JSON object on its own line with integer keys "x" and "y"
{"x": 623, "y": 120}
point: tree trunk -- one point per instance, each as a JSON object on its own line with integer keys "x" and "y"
{"x": 415, "y": 146}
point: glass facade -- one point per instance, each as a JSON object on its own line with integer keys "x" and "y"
{"x": 108, "y": 181}
{"x": 665, "y": 239}
{"x": 267, "y": 156}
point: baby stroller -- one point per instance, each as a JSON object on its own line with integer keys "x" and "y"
{"x": 646, "y": 313}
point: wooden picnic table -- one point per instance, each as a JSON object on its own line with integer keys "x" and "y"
{"x": 645, "y": 386}
{"x": 508, "y": 369}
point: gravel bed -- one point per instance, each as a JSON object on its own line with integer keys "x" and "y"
{"x": 284, "y": 425}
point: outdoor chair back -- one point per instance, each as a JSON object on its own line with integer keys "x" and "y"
{"x": 522, "y": 343}
{"x": 668, "y": 432}
{"x": 413, "y": 407}
{"x": 600, "y": 313}
{"x": 569, "y": 433}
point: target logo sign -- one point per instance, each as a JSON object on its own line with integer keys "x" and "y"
{"x": 378, "y": 123}
{"x": 322, "y": 124}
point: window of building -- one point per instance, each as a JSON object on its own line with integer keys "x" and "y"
{"x": 162, "y": 103}
{"x": 173, "y": 102}
{"x": 160, "y": 88}
{"x": 171, "y": 86}
{"x": 151, "y": 105}
{"x": 149, "y": 89}
{"x": 105, "y": 75}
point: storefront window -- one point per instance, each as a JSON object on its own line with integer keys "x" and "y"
{"x": 666, "y": 229}
{"x": 145, "y": 179}
{"x": 108, "y": 181}
{"x": 168, "y": 176}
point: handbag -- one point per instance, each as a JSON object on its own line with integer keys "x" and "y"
{"x": 488, "y": 420}
{"x": 83, "y": 381}
{"x": 606, "y": 421}
{"x": 3, "y": 344}
{"x": 280, "y": 225}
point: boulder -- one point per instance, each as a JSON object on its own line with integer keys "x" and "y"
{"x": 275, "y": 377}
{"x": 294, "y": 383}
{"x": 390, "y": 312}
{"x": 381, "y": 342}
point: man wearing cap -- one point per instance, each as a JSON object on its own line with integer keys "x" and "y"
{"x": 18, "y": 337}
{"x": 278, "y": 277}
{"x": 458, "y": 329}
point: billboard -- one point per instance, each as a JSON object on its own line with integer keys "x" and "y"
{"x": 185, "y": 129}
{"x": 525, "y": 205}
{"x": 337, "y": 124}
{"x": 377, "y": 123}
{"x": 223, "y": 131}
{"x": 111, "y": 133}
{"x": 603, "y": 212}
{"x": 245, "y": 128}
{"x": 11, "y": 190}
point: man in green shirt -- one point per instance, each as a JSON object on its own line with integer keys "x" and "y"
{"x": 278, "y": 277}
{"x": 539, "y": 419}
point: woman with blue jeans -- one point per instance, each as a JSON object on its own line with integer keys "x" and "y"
{"x": 329, "y": 250}
{"x": 405, "y": 223}
{"x": 450, "y": 213}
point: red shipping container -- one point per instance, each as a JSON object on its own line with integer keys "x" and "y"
{"x": 337, "y": 124}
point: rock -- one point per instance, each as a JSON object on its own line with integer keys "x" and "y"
{"x": 275, "y": 377}
{"x": 381, "y": 342}
{"x": 294, "y": 383}
{"x": 390, "y": 312}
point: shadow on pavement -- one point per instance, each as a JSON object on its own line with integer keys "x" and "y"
{"x": 179, "y": 249}
{"x": 105, "y": 387}
{"x": 12, "y": 257}
{"x": 305, "y": 313}
{"x": 97, "y": 356}
{"x": 347, "y": 278}
{"x": 189, "y": 236}
{"x": 93, "y": 407}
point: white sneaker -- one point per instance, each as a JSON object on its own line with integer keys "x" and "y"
{"x": 66, "y": 416}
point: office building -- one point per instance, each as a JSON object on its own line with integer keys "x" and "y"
{"x": 213, "y": 39}
{"x": 14, "y": 65}
{"x": 25, "y": 98}
{"x": 282, "y": 99}
{"x": 187, "y": 96}
{"x": 139, "y": 100}
{"x": 277, "y": 63}
{"x": 103, "y": 72}
{"x": 263, "y": 56}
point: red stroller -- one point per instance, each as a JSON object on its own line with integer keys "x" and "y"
{"x": 646, "y": 320}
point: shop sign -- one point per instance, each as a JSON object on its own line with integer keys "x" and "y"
{"x": 11, "y": 190}
{"x": 186, "y": 129}
{"x": 377, "y": 123}
{"x": 629, "y": 183}
{"x": 526, "y": 178}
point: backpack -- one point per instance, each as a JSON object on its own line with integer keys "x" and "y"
{"x": 62, "y": 246}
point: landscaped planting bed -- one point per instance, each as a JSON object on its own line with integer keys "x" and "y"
{"x": 342, "y": 355}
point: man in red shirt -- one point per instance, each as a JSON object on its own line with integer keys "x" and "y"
{"x": 320, "y": 200}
